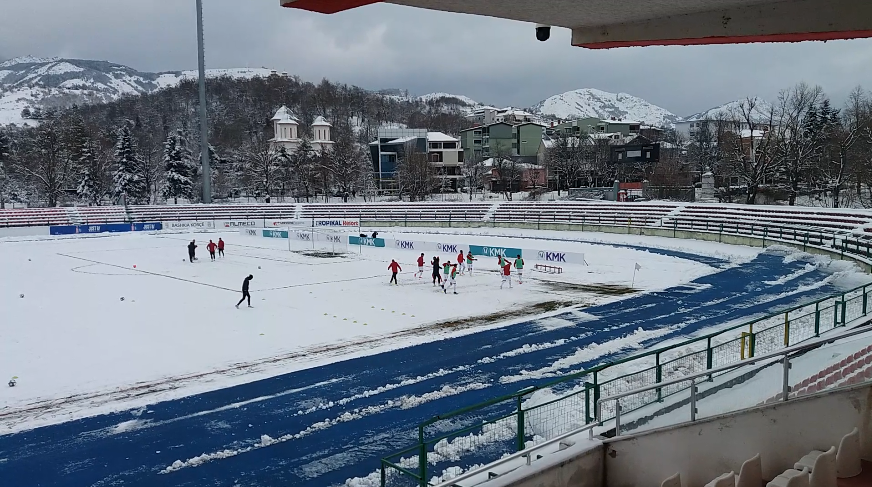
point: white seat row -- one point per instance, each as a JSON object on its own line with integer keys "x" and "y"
{"x": 816, "y": 469}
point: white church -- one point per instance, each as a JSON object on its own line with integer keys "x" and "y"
{"x": 287, "y": 134}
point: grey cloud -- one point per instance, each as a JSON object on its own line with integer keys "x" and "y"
{"x": 380, "y": 46}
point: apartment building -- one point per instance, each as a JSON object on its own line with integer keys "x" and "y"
{"x": 442, "y": 151}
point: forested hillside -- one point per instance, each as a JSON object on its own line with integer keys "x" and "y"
{"x": 95, "y": 153}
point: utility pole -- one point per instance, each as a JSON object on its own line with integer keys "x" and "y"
{"x": 204, "y": 128}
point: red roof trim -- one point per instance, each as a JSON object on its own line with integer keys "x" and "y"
{"x": 329, "y": 6}
{"x": 797, "y": 37}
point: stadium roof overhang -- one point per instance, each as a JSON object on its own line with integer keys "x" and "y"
{"x": 609, "y": 23}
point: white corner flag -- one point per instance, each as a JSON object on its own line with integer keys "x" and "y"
{"x": 637, "y": 268}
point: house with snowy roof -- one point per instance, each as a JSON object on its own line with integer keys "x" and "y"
{"x": 442, "y": 151}
{"x": 286, "y": 130}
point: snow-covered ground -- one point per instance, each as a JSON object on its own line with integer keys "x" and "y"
{"x": 79, "y": 349}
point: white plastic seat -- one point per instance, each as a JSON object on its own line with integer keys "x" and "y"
{"x": 824, "y": 472}
{"x": 791, "y": 478}
{"x": 673, "y": 481}
{"x": 751, "y": 473}
{"x": 725, "y": 480}
{"x": 847, "y": 457}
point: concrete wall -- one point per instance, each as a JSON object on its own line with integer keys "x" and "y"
{"x": 563, "y": 469}
{"x": 781, "y": 433}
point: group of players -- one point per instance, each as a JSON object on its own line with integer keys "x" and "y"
{"x": 450, "y": 270}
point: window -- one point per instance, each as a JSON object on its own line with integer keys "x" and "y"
{"x": 460, "y": 156}
{"x": 435, "y": 145}
{"x": 477, "y": 141}
{"x": 435, "y": 157}
{"x": 476, "y": 132}
{"x": 449, "y": 145}
{"x": 523, "y": 141}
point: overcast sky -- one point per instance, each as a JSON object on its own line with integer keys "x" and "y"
{"x": 384, "y": 46}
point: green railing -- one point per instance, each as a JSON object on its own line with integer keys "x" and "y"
{"x": 538, "y": 412}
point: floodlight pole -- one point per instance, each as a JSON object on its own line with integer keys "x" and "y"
{"x": 204, "y": 128}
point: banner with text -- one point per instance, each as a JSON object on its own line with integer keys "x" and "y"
{"x": 366, "y": 241}
{"x": 196, "y": 225}
{"x": 235, "y": 224}
{"x": 557, "y": 257}
{"x": 336, "y": 222}
{"x": 494, "y": 251}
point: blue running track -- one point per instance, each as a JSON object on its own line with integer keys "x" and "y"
{"x": 341, "y": 418}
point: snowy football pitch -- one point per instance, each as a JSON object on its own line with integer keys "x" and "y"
{"x": 118, "y": 321}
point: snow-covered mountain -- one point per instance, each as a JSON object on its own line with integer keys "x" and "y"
{"x": 589, "y": 102}
{"x": 30, "y": 82}
{"x": 761, "y": 112}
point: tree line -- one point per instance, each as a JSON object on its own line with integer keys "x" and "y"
{"x": 798, "y": 149}
{"x": 145, "y": 149}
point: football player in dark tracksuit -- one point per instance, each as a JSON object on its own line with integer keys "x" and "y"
{"x": 245, "y": 293}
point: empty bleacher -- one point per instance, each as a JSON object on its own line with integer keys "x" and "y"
{"x": 399, "y": 211}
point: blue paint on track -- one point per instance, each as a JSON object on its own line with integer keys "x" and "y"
{"x": 108, "y": 450}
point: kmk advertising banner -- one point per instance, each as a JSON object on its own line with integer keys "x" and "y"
{"x": 274, "y": 233}
{"x": 103, "y": 228}
{"x": 492, "y": 251}
{"x": 557, "y": 257}
{"x": 366, "y": 241}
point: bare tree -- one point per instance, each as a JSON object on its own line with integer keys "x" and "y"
{"x": 748, "y": 150}
{"x": 46, "y": 161}
{"x": 262, "y": 165}
{"x": 796, "y": 148}
{"x": 415, "y": 175}
{"x": 346, "y": 162}
{"x": 506, "y": 170}
{"x": 473, "y": 172}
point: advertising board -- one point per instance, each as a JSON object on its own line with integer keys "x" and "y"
{"x": 492, "y": 251}
{"x": 557, "y": 257}
{"x": 286, "y": 223}
{"x": 268, "y": 233}
{"x": 366, "y": 241}
{"x": 336, "y": 222}
{"x": 240, "y": 224}
{"x": 197, "y": 225}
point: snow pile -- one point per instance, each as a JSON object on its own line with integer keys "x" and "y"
{"x": 632, "y": 341}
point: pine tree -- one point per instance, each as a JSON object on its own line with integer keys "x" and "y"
{"x": 90, "y": 186}
{"x": 179, "y": 168}
{"x": 127, "y": 179}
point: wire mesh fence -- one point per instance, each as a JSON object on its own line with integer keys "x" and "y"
{"x": 481, "y": 434}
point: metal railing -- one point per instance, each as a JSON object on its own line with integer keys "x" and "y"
{"x": 707, "y": 376}
{"x": 785, "y": 395}
{"x": 504, "y": 425}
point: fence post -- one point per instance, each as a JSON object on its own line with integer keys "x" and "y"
{"x": 659, "y": 375}
{"x": 765, "y": 231}
{"x": 422, "y": 458}
{"x": 865, "y": 299}
{"x": 844, "y": 311}
{"x": 753, "y": 337}
{"x": 836, "y": 314}
{"x": 521, "y": 425}
{"x": 720, "y": 232}
{"x": 709, "y": 355}
{"x": 817, "y": 319}
{"x": 786, "y": 329}
{"x": 785, "y": 385}
{"x": 449, "y": 219}
{"x": 617, "y": 417}
{"x": 674, "y": 228}
{"x": 587, "y": 417}
{"x": 692, "y": 400}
